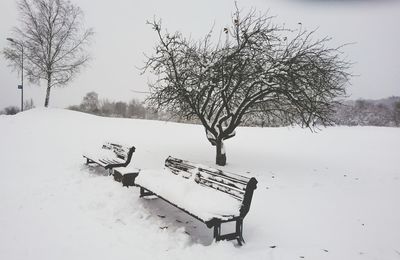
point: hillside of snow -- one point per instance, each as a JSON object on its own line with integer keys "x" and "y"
{"x": 334, "y": 194}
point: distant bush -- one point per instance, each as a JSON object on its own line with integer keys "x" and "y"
{"x": 396, "y": 113}
{"x": 11, "y": 110}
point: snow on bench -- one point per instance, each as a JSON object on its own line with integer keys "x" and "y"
{"x": 110, "y": 155}
{"x": 209, "y": 195}
{"x": 126, "y": 175}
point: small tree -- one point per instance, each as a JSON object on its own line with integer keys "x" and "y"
{"x": 259, "y": 69}
{"x": 120, "y": 108}
{"x": 396, "y": 113}
{"x": 90, "y": 103}
{"x": 53, "y": 39}
{"x": 29, "y": 104}
{"x": 107, "y": 107}
{"x": 136, "y": 109}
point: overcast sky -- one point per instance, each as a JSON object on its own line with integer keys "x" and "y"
{"x": 122, "y": 37}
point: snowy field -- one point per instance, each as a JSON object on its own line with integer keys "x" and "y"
{"x": 334, "y": 194}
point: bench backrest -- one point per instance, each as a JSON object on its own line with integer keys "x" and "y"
{"x": 237, "y": 186}
{"x": 122, "y": 152}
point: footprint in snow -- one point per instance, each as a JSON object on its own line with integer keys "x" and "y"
{"x": 120, "y": 221}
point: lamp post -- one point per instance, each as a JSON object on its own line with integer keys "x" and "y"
{"x": 22, "y": 71}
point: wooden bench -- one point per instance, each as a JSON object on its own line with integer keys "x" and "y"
{"x": 210, "y": 195}
{"x": 110, "y": 156}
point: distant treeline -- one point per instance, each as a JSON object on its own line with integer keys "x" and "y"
{"x": 104, "y": 107}
{"x": 382, "y": 112}
{"x": 93, "y": 105}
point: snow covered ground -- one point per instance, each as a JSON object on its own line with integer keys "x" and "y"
{"x": 334, "y": 194}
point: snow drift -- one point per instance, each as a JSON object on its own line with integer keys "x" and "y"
{"x": 329, "y": 195}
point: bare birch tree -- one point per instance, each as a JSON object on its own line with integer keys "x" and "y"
{"x": 53, "y": 39}
{"x": 257, "y": 69}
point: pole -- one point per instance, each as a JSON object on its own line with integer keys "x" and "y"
{"x": 22, "y": 70}
{"x": 22, "y": 79}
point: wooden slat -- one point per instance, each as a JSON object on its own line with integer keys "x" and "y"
{"x": 227, "y": 175}
{"x": 104, "y": 161}
{"x": 185, "y": 166}
{"x": 109, "y": 161}
{"x": 236, "y": 184}
{"x": 232, "y": 193}
{"x": 223, "y": 184}
{"x": 225, "y": 217}
{"x": 230, "y": 183}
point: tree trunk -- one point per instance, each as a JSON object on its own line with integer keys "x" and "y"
{"x": 221, "y": 156}
{"x": 47, "y": 100}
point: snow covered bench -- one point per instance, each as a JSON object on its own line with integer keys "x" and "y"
{"x": 110, "y": 155}
{"x": 126, "y": 175}
{"x": 209, "y": 195}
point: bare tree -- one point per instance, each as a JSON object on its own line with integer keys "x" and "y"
{"x": 53, "y": 39}
{"x": 256, "y": 69}
{"x": 120, "y": 108}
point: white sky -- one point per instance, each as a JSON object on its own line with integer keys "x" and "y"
{"x": 122, "y": 37}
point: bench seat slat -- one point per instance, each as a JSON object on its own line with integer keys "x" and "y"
{"x": 206, "y": 204}
{"x": 110, "y": 161}
{"x": 96, "y": 161}
{"x": 105, "y": 161}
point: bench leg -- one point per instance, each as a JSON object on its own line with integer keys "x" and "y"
{"x": 144, "y": 192}
{"x": 238, "y": 234}
{"x": 88, "y": 161}
{"x": 239, "y": 231}
{"x": 217, "y": 232}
